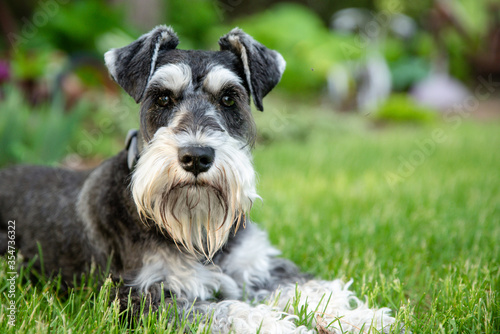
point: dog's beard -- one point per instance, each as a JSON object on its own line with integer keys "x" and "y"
{"x": 198, "y": 213}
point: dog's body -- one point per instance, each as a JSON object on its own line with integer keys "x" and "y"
{"x": 170, "y": 210}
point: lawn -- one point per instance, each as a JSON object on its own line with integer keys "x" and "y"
{"x": 410, "y": 213}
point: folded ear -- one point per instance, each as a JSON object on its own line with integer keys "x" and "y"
{"x": 263, "y": 67}
{"x": 133, "y": 65}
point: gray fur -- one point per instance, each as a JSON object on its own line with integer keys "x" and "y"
{"x": 132, "y": 66}
{"x": 263, "y": 67}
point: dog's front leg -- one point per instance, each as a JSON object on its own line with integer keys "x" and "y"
{"x": 134, "y": 302}
{"x": 229, "y": 316}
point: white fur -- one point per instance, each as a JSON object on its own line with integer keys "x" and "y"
{"x": 331, "y": 302}
{"x": 185, "y": 276}
{"x": 336, "y": 305}
{"x": 238, "y": 317}
{"x": 281, "y": 62}
{"x": 248, "y": 263}
{"x": 110, "y": 61}
{"x": 200, "y": 214}
{"x": 175, "y": 77}
{"x": 219, "y": 77}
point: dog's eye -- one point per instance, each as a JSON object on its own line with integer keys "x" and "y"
{"x": 163, "y": 101}
{"x": 227, "y": 100}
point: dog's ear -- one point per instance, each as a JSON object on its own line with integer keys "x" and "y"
{"x": 133, "y": 65}
{"x": 263, "y": 67}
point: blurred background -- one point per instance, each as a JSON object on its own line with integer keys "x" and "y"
{"x": 387, "y": 61}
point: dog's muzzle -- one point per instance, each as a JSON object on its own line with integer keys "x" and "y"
{"x": 197, "y": 187}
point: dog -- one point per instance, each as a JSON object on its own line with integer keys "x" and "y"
{"x": 169, "y": 214}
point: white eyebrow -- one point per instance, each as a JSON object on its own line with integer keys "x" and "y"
{"x": 175, "y": 77}
{"x": 218, "y": 77}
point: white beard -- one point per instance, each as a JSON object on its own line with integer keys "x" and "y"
{"x": 197, "y": 212}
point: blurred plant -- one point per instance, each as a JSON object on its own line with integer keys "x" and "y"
{"x": 401, "y": 108}
{"x": 38, "y": 134}
{"x": 415, "y": 9}
{"x": 467, "y": 33}
{"x": 30, "y": 65}
{"x": 103, "y": 132}
{"x": 407, "y": 71}
{"x": 63, "y": 37}
{"x": 191, "y": 21}
{"x": 410, "y": 59}
{"x": 78, "y": 25}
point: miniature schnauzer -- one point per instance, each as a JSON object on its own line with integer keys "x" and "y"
{"x": 168, "y": 214}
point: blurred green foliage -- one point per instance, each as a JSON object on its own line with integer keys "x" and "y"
{"x": 30, "y": 64}
{"x": 415, "y": 9}
{"x": 191, "y": 22}
{"x": 106, "y": 125}
{"x": 45, "y": 133}
{"x": 35, "y": 134}
{"x": 76, "y": 26}
{"x": 408, "y": 70}
{"x": 402, "y": 108}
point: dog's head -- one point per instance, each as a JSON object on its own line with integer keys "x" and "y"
{"x": 194, "y": 177}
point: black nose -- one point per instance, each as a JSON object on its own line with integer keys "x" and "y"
{"x": 196, "y": 159}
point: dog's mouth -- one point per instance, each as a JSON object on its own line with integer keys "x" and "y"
{"x": 198, "y": 213}
{"x": 192, "y": 195}
{"x": 194, "y": 187}
{"x": 199, "y": 216}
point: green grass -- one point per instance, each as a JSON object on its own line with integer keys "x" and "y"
{"x": 342, "y": 199}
